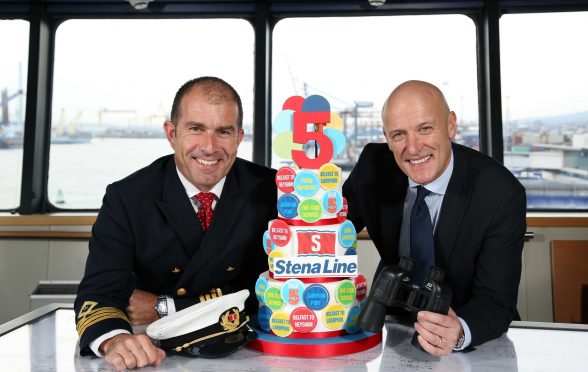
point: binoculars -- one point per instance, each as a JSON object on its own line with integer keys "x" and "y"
{"x": 393, "y": 287}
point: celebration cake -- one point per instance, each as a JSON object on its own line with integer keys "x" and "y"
{"x": 310, "y": 297}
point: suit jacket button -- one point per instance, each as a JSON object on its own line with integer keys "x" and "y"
{"x": 181, "y": 292}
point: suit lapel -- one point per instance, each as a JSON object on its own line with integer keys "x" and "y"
{"x": 391, "y": 208}
{"x": 177, "y": 210}
{"x": 390, "y": 188}
{"x": 453, "y": 208}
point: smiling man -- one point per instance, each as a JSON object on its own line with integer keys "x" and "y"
{"x": 182, "y": 230}
{"x": 474, "y": 209}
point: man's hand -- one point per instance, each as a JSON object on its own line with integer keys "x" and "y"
{"x": 131, "y": 351}
{"x": 141, "y": 309}
{"x": 438, "y": 334}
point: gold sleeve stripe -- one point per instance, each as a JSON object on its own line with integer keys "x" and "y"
{"x": 101, "y": 313}
{"x": 81, "y": 330}
{"x": 98, "y": 315}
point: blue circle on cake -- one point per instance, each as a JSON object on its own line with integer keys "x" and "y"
{"x": 351, "y": 252}
{"x": 347, "y": 234}
{"x": 351, "y": 325}
{"x": 283, "y": 121}
{"x": 268, "y": 244}
{"x": 260, "y": 288}
{"x": 338, "y": 139}
{"x": 332, "y": 202}
{"x": 288, "y": 206}
{"x": 316, "y": 297}
{"x": 292, "y": 291}
{"x": 306, "y": 184}
{"x": 263, "y": 318}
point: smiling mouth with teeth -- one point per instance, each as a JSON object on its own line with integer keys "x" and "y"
{"x": 420, "y": 161}
{"x": 207, "y": 162}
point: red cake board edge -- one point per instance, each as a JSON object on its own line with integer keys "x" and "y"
{"x": 310, "y": 348}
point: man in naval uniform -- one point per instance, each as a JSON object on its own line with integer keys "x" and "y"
{"x": 182, "y": 230}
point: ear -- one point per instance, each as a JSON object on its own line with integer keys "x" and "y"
{"x": 452, "y": 124}
{"x": 170, "y": 133}
{"x": 241, "y": 135}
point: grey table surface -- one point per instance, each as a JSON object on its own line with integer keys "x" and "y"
{"x": 46, "y": 340}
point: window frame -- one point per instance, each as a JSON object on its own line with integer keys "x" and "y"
{"x": 44, "y": 16}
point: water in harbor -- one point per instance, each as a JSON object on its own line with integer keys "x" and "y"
{"x": 79, "y": 173}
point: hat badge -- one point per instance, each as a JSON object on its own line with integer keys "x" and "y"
{"x": 229, "y": 320}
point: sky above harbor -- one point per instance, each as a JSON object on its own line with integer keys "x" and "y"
{"x": 130, "y": 69}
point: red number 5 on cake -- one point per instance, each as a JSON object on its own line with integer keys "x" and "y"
{"x": 302, "y": 136}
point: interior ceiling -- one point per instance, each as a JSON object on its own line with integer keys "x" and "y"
{"x": 275, "y": 6}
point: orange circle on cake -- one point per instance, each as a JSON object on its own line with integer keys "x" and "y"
{"x": 280, "y": 233}
{"x": 303, "y": 320}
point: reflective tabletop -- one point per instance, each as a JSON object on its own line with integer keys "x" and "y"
{"x": 46, "y": 340}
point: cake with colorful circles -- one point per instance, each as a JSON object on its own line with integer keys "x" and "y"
{"x": 313, "y": 288}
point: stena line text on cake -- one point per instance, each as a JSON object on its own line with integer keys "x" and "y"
{"x": 301, "y": 267}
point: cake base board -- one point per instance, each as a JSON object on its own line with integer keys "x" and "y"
{"x": 314, "y": 347}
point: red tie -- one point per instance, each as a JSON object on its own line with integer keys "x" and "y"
{"x": 205, "y": 212}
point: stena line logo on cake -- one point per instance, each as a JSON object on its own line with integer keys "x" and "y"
{"x": 313, "y": 242}
{"x": 310, "y": 267}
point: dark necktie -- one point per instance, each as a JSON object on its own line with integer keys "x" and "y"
{"x": 205, "y": 212}
{"x": 421, "y": 237}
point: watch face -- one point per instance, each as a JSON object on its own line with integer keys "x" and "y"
{"x": 161, "y": 307}
{"x": 460, "y": 342}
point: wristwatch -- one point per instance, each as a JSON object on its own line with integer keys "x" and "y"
{"x": 459, "y": 342}
{"x": 161, "y": 306}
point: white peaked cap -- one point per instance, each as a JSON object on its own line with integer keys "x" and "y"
{"x": 196, "y": 317}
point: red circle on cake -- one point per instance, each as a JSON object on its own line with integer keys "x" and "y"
{"x": 342, "y": 214}
{"x": 360, "y": 287}
{"x": 279, "y": 233}
{"x": 285, "y": 179}
{"x": 303, "y": 320}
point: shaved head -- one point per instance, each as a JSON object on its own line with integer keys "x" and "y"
{"x": 416, "y": 88}
{"x": 419, "y": 127}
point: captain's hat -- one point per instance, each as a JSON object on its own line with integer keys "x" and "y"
{"x": 210, "y": 329}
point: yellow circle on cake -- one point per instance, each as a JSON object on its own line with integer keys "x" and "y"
{"x": 271, "y": 257}
{"x": 334, "y": 316}
{"x": 329, "y": 176}
{"x": 273, "y": 298}
{"x": 280, "y": 324}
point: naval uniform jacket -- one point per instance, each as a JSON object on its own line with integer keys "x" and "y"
{"x": 147, "y": 236}
{"x": 479, "y": 235}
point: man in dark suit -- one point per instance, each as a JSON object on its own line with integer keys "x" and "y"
{"x": 157, "y": 248}
{"x": 477, "y": 210}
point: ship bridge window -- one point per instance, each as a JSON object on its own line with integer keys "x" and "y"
{"x": 114, "y": 83}
{"x": 13, "y": 73}
{"x": 544, "y": 96}
{"x": 355, "y": 62}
